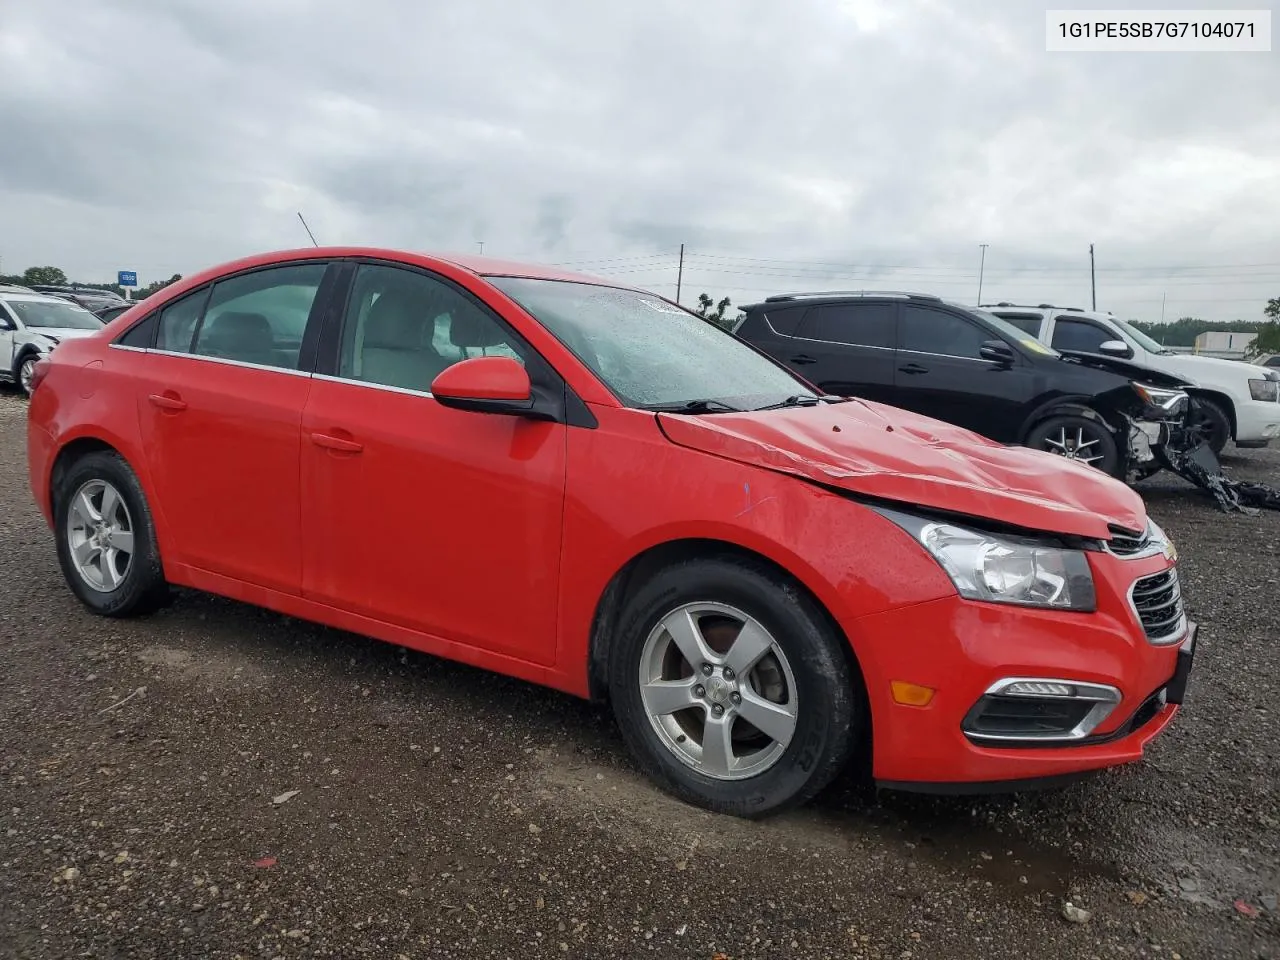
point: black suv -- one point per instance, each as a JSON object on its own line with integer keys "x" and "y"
{"x": 970, "y": 368}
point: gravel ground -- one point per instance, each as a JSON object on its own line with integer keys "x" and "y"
{"x": 444, "y": 812}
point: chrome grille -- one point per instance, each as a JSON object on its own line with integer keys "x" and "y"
{"x": 1157, "y": 599}
{"x": 1124, "y": 543}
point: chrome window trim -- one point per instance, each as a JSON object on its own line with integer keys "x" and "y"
{"x": 948, "y": 356}
{"x": 227, "y": 361}
{"x": 834, "y": 343}
{"x": 258, "y": 366}
{"x": 1104, "y": 697}
{"x": 372, "y": 385}
{"x": 867, "y": 346}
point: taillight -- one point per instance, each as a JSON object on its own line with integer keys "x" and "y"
{"x": 39, "y": 372}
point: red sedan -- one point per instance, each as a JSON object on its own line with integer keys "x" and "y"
{"x": 589, "y": 487}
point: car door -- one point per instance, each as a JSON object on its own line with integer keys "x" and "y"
{"x": 220, "y": 404}
{"x": 7, "y": 328}
{"x": 847, "y": 349}
{"x": 939, "y": 373}
{"x": 443, "y": 521}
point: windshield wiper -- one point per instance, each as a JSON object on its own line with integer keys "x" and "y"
{"x": 701, "y": 405}
{"x": 799, "y": 400}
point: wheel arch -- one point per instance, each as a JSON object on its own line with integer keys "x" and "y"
{"x": 79, "y": 446}
{"x": 1063, "y": 407}
{"x": 19, "y": 355}
{"x": 1221, "y": 399}
{"x": 637, "y": 570}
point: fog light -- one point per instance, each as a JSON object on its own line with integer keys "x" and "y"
{"x": 1034, "y": 709}
{"x": 911, "y": 694}
{"x": 1038, "y": 688}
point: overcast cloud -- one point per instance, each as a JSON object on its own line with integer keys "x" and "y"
{"x": 804, "y": 144}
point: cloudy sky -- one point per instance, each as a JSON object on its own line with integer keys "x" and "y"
{"x": 806, "y": 144}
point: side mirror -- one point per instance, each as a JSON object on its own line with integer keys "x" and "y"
{"x": 997, "y": 351}
{"x": 1115, "y": 348}
{"x": 485, "y": 385}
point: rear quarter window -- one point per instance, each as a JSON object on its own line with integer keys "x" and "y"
{"x": 768, "y": 323}
{"x": 1026, "y": 322}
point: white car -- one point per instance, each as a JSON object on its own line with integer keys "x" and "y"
{"x": 31, "y": 325}
{"x": 1233, "y": 400}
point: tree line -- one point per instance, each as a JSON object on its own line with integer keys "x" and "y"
{"x": 56, "y": 276}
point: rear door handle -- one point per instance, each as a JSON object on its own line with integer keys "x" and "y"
{"x": 913, "y": 368}
{"x": 336, "y": 443}
{"x": 168, "y": 401}
{"x": 804, "y": 358}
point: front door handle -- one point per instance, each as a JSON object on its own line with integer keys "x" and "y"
{"x": 336, "y": 443}
{"x": 168, "y": 401}
{"x": 804, "y": 358}
{"x": 912, "y": 368}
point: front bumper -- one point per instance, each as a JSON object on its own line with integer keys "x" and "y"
{"x": 1145, "y": 436}
{"x": 961, "y": 650}
{"x": 1257, "y": 422}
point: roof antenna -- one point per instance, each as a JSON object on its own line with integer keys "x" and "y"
{"x": 308, "y": 229}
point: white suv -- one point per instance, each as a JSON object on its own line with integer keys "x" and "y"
{"x": 1234, "y": 401}
{"x": 31, "y": 325}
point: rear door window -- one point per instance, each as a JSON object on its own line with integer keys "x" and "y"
{"x": 260, "y": 317}
{"x": 857, "y": 324}
{"x": 1026, "y": 322}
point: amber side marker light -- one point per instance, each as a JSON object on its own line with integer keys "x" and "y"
{"x": 911, "y": 694}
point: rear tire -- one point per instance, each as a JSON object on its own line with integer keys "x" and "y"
{"x": 1210, "y": 422}
{"x": 106, "y": 538}
{"x": 1078, "y": 438}
{"x": 792, "y": 679}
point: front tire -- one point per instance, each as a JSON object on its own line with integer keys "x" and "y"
{"x": 1209, "y": 422}
{"x": 106, "y": 538}
{"x": 1078, "y": 438}
{"x": 731, "y": 688}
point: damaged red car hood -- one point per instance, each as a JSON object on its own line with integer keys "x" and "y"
{"x": 889, "y": 453}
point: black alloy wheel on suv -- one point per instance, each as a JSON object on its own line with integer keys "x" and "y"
{"x": 967, "y": 367}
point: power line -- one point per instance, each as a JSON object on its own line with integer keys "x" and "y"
{"x": 946, "y": 280}
{"x": 1046, "y": 268}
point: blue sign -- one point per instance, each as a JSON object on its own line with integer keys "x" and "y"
{"x": 128, "y": 278}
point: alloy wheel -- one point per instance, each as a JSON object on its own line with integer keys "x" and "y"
{"x": 100, "y": 534}
{"x": 1073, "y": 445}
{"x": 718, "y": 690}
{"x": 27, "y": 374}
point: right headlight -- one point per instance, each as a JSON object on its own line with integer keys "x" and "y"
{"x": 999, "y": 568}
{"x": 1264, "y": 389}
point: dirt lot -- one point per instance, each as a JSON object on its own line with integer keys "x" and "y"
{"x": 444, "y": 812}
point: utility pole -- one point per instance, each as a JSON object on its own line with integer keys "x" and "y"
{"x": 680, "y": 274}
{"x": 1162, "y": 299}
{"x": 481, "y": 243}
{"x": 1093, "y": 280}
{"x": 981, "y": 266}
